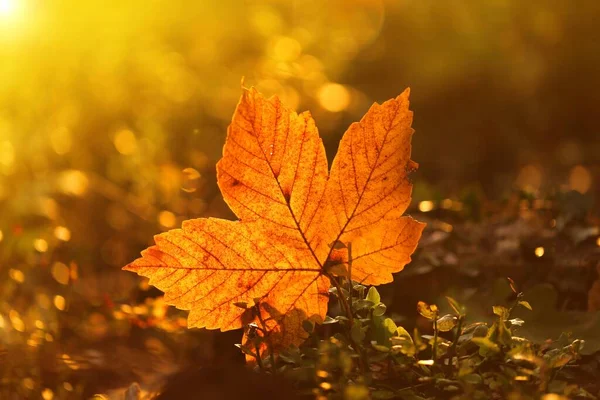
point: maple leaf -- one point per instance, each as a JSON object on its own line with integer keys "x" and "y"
{"x": 279, "y": 257}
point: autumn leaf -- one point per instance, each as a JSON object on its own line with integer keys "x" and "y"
{"x": 426, "y": 310}
{"x": 279, "y": 258}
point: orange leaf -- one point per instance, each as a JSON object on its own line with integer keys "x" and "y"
{"x": 274, "y": 167}
{"x": 282, "y": 330}
{"x": 293, "y": 218}
{"x": 211, "y": 264}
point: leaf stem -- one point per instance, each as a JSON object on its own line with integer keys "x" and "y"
{"x": 435, "y": 339}
{"x": 452, "y": 352}
{"x": 349, "y": 277}
{"x": 342, "y": 298}
{"x": 362, "y": 363}
{"x": 258, "y": 358}
{"x": 267, "y": 340}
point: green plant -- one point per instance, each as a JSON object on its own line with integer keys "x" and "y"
{"x": 362, "y": 353}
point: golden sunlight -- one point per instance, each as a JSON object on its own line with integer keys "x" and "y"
{"x": 7, "y": 7}
{"x": 121, "y": 121}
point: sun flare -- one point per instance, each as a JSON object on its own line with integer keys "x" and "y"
{"x": 7, "y": 7}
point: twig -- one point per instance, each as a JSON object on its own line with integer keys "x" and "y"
{"x": 349, "y": 277}
{"x": 267, "y": 339}
{"x": 455, "y": 341}
{"x": 435, "y": 339}
{"x": 258, "y": 359}
{"x": 344, "y": 301}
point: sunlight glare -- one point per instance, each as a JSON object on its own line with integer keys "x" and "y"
{"x": 7, "y": 7}
{"x": 12, "y": 13}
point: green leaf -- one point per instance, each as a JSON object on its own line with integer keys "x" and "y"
{"x": 428, "y": 311}
{"x": 360, "y": 289}
{"x": 334, "y": 291}
{"x": 403, "y": 343}
{"x": 526, "y": 305}
{"x": 382, "y": 329}
{"x": 577, "y": 345}
{"x": 500, "y": 311}
{"x": 308, "y": 326}
{"x": 357, "y": 333}
{"x": 390, "y": 326}
{"x": 446, "y": 323}
{"x": 403, "y": 333}
{"x": 472, "y": 379}
{"x": 373, "y": 295}
{"x": 442, "y": 344}
{"x": 499, "y": 333}
{"x": 458, "y": 309}
{"x": 558, "y": 359}
{"x": 290, "y": 358}
{"x": 504, "y": 334}
{"x": 481, "y": 330}
{"x": 486, "y": 346}
{"x": 379, "y": 309}
{"x": 379, "y": 347}
{"x": 362, "y": 304}
{"x": 420, "y": 345}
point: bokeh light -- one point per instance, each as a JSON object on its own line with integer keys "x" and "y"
{"x": 61, "y": 273}
{"x": 125, "y": 142}
{"x": 334, "y": 97}
{"x": 539, "y": 252}
{"x": 112, "y": 120}
{"x": 167, "y": 219}
{"x": 7, "y": 8}
{"x": 59, "y": 302}
{"x": 40, "y": 245}
{"x": 426, "y": 206}
{"x": 580, "y": 179}
{"x": 62, "y": 233}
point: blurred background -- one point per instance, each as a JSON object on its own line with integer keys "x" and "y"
{"x": 113, "y": 115}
